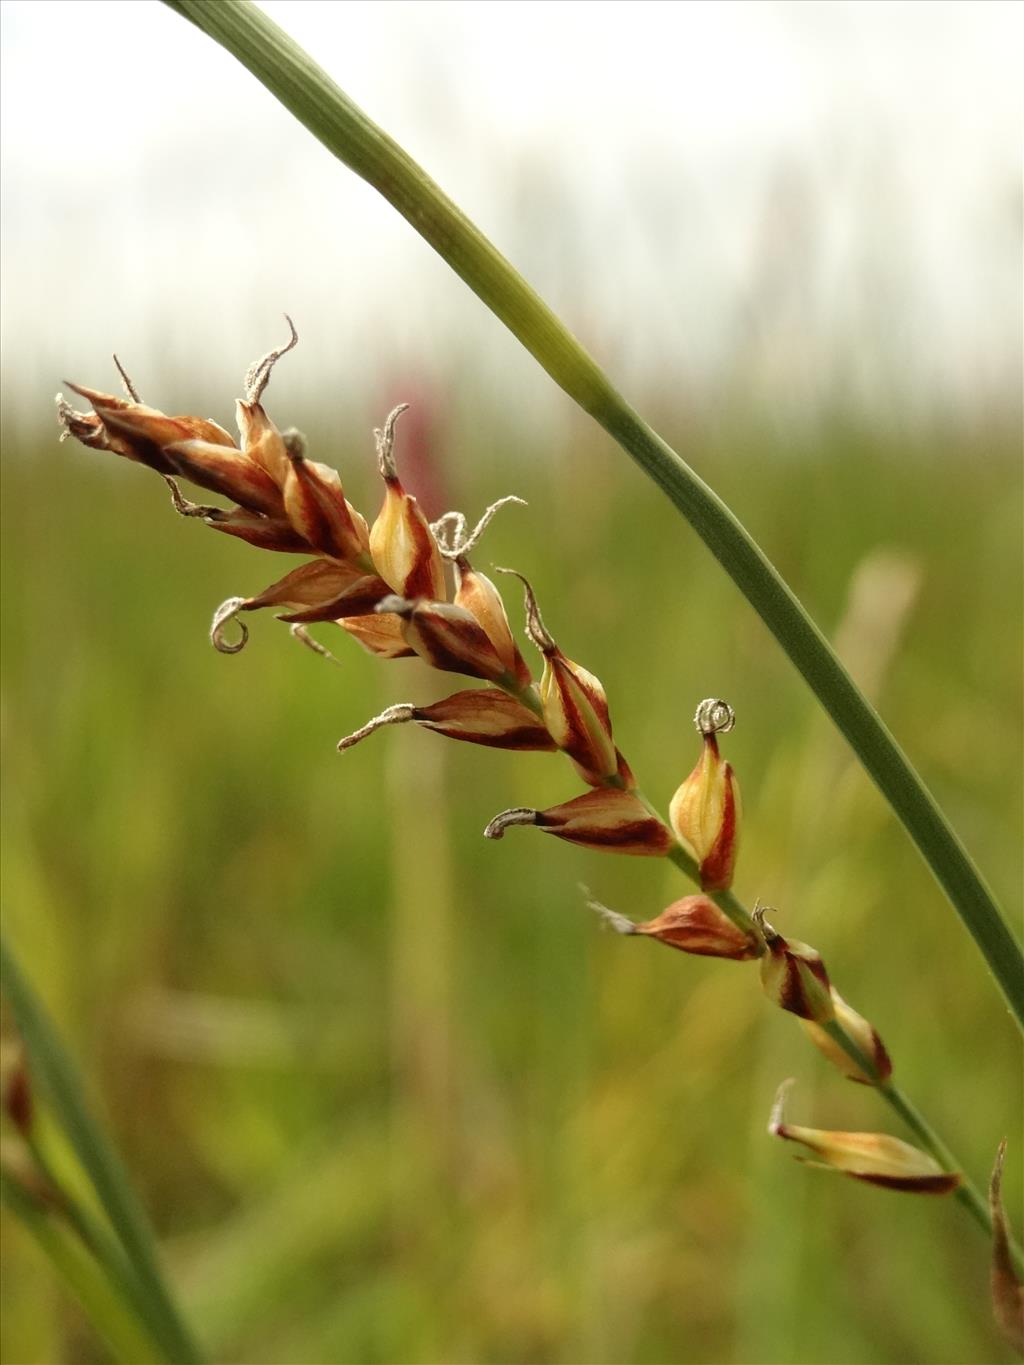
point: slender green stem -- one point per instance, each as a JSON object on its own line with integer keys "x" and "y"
{"x": 52, "y": 1069}
{"x": 97, "y": 1239}
{"x": 309, "y": 93}
{"x": 106, "y": 1308}
{"x": 967, "y": 1193}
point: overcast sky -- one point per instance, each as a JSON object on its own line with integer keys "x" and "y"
{"x": 796, "y": 198}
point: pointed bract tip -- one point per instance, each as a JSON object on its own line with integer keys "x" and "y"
{"x": 1006, "y": 1286}
{"x": 384, "y": 438}
{"x": 398, "y": 714}
{"x": 129, "y": 387}
{"x": 258, "y": 375}
{"x": 621, "y": 924}
{"x": 301, "y": 635}
{"x": 776, "y": 1122}
{"x": 996, "y": 1183}
{"x": 535, "y": 627}
{"x": 517, "y": 815}
{"x": 226, "y": 612}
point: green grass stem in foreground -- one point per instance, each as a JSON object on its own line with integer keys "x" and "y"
{"x": 136, "y": 1274}
{"x": 105, "y": 1306}
{"x": 309, "y": 93}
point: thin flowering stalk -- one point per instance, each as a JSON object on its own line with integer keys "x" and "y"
{"x": 967, "y": 1192}
{"x": 317, "y": 102}
{"x": 567, "y": 709}
{"x": 467, "y": 631}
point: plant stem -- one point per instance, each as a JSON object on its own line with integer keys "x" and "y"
{"x": 967, "y": 1192}
{"x": 97, "y": 1239}
{"x": 53, "y": 1070}
{"x": 106, "y": 1308}
{"x": 309, "y": 93}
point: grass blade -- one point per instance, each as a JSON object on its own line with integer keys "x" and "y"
{"x": 55, "y": 1074}
{"x": 104, "y": 1308}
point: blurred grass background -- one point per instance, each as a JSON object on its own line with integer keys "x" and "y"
{"x": 389, "y": 1093}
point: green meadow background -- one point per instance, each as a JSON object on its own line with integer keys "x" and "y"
{"x": 388, "y": 1091}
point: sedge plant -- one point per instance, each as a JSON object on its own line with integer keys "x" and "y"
{"x": 404, "y": 587}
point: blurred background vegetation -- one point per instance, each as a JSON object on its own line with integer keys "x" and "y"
{"x": 389, "y": 1092}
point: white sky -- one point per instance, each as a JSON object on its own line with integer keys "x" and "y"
{"x": 783, "y": 199}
